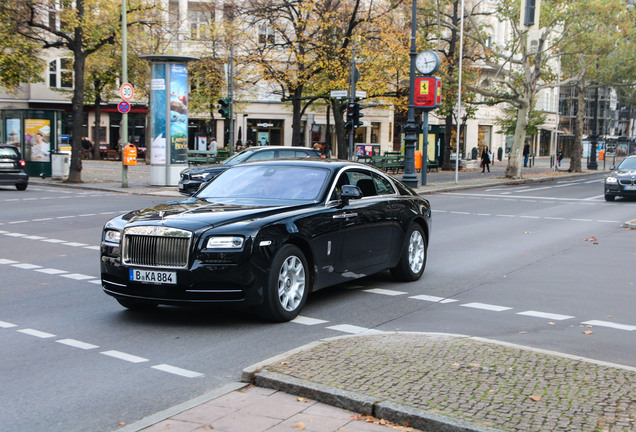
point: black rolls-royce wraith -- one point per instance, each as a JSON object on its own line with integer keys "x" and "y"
{"x": 266, "y": 234}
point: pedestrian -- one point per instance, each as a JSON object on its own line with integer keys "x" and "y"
{"x": 526, "y": 153}
{"x": 485, "y": 159}
{"x": 559, "y": 157}
{"x": 213, "y": 145}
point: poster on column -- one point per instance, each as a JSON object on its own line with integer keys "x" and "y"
{"x": 158, "y": 110}
{"x": 37, "y": 136}
{"x": 178, "y": 113}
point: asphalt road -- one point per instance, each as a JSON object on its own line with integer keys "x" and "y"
{"x": 547, "y": 265}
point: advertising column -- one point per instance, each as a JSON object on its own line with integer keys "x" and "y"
{"x": 168, "y": 118}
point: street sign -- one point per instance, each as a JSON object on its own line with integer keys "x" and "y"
{"x": 126, "y": 91}
{"x": 339, "y": 93}
{"x": 428, "y": 92}
{"x": 123, "y": 107}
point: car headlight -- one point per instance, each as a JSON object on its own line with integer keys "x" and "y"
{"x": 612, "y": 180}
{"x": 225, "y": 242}
{"x": 112, "y": 236}
{"x": 201, "y": 176}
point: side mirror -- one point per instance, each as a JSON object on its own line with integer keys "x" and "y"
{"x": 349, "y": 192}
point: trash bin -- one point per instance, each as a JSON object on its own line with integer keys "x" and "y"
{"x": 60, "y": 165}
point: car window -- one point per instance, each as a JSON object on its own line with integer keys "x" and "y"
{"x": 363, "y": 179}
{"x": 261, "y": 155}
{"x": 8, "y": 152}
{"x": 382, "y": 185}
{"x": 292, "y": 153}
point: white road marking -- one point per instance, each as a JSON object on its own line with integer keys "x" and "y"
{"x": 26, "y": 266}
{"x": 546, "y": 315}
{"x": 177, "y": 371}
{"x": 598, "y": 323}
{"x": 7, "y": 261}
{"x": 74, "y": 244}
{"x": 33, "y": 237}
{"x": 4, "y": 324}
{"x": 485, "y": 306}
{"x": 54, "y": 241}
{"x": 123, "y": 356}
{"x": 51, "y": 271}
{"x": 77, "y": 344}
{"x": 92, "y": 247}
{"x": 37, "y": 333}
{"x": 307, "y": 321}
{"x": 78, "y": 276}
{"x": 348, "y": 328}
{"x": 433, "y": 299}
{"x": 385, "y": 292}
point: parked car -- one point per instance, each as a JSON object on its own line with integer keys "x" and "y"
{"x": 12, "y": 170}
{"x": 192, "y": 178}
{"x": 622, "y": 181}
{"x": 264, "y": 235}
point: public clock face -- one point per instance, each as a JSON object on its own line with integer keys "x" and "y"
{"x": 427, "y": 62}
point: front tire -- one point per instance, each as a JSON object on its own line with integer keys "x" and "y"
{"x": 288, "y": 285}
{"x": 609, "y": 197}
{"x": 21, "y": 186}
{"x": 413, "y": 260}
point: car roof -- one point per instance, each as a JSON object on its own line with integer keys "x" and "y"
{"x": 254, "y": 148}
{"x": 332, "y": 164}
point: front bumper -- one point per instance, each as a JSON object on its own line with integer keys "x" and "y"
{"x": 618, "y": 190}
{"x": 189, "y": 187}
{"x": 205, "y": 282}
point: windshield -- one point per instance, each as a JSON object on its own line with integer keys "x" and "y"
{"x": 237, "y": 158}
{"x": 278, "y": 182}
{"x": 628, "y": 164}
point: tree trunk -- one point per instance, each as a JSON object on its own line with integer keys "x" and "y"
{"x": 342, "y": 144}
{"x": 513, "y": 169}
{"x": 296, "y": 116}
{"x": 577, "y": 150}
{"x": 98, "y": 120}
{"x": 75, "y": 172}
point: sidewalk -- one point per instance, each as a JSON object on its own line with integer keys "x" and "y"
{"x": 401, "y": 381}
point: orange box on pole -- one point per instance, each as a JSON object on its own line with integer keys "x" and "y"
{"x": 130, "y": 154}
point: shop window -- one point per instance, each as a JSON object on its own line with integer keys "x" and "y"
{"x": 61, "y": 73}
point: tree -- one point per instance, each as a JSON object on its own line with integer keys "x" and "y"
{"x": 296, "y": 45}
{"x": 82, "y": 27}
{"x": 18, "y": 57}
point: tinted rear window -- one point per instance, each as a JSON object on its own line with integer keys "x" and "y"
{"x": 9, "y": 152}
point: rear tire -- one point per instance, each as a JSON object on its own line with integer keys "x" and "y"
{"x": 609, "y": 197}
{"x": 413, "y": 260}
{"x": 21, "y": 186}
{"x": 288, "y": 285}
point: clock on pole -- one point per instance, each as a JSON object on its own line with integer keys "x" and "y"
{"x": 427, "y": 62}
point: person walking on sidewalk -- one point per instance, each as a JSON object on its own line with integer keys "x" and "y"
{"x": 485, "y": 160}
{"x": 526, "y": 153}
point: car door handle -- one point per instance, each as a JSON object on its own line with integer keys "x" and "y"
{"x": 345, "y": 215}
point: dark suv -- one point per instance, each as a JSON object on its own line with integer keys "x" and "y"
{"x": 12, "y": 168}
{"x": 192, "y": 178}
{"x": 622, "y": 181}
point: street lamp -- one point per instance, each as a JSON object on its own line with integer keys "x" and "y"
{"x": 410, "y": 129}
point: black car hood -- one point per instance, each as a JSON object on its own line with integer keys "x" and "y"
{"x": 195, "y": 213}
{"x": 214, "y": 169}
{"x": 624, "y": 172}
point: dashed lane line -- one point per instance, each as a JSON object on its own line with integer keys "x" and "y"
{"x": 546, "y": 315}
{"x": 597, "y": 323}
{"x": 120, "y": 355}
{"x": 485, "y": 306}
{"x": 49, "y": 240}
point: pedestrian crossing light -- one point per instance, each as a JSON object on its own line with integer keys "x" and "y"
{"x": 225, "y": 107}
{"x": 353, "y": 115}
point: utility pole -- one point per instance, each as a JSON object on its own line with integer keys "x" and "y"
{"x": 123, "y": 132}
{"x": 353, "y": 79}
{"x": 230, "y": 94}
{"x": 410, "y": 129}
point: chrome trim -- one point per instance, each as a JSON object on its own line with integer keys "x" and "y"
{"x": 156, "y": 247}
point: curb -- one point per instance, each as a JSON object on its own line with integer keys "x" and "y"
{"x": 631, "y": 224}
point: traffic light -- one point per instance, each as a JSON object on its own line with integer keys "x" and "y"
{"x": 353, "y": 115}
{"x": 357, "y": 114}
{"x": 225, "y": 107}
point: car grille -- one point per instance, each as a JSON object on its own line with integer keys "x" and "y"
{"x": 626, "y": 182}
{"x": 151, "y": 246}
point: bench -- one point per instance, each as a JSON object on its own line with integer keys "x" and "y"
{"x": 196, "y": 157}
{"x": 432, "y": 165}
{"x": 393, "y": 163}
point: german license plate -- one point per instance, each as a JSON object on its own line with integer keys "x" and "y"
{"x": 153, "y": 277}
{"x": 630, "y": 187}
{"x": 6, "y": 164}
